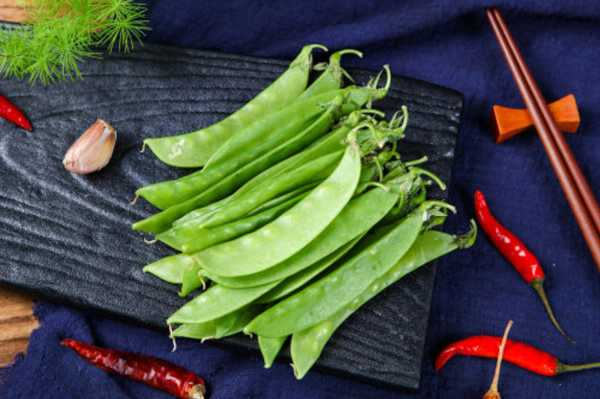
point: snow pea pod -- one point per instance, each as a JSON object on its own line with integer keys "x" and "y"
{"x": 203, "y": 214}
{"x": 331, "y": 77}
{"x": 307, "y": 345}
{"x": 331, "y": 143}
{"x": 314, "y": 171}
{"x": 191, "y": 280}
{"x": 300, "y": 279}
{"x": 189, "y": 239}
{"x": 162, "y": 221}
{"x": 225, "y": 326}
{"x": 271, "y": 131}
{"x": 172, "y": 192}
{"x": 358, "y": 217}
{"x": 280, "y": 239}
{"x": 237, "y": 228}
{"x": 269, "y": 348}
{"x": 283, "y": 198}
{"x": 263, "y": 134}
{"x": 195, "y": 148}
{"x": 170, "y": 268}
{"x": 215, "y": 302}
{"x": 326, "y": 296}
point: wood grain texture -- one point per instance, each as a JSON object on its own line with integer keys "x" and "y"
{"x": 16, "y": 323}
{"x": 10, "y": 11}
{"x": 68, "y": 237}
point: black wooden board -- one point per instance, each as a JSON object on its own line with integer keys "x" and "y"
{"x": 68, "y": 237}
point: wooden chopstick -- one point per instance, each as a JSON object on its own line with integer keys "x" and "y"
{"x": 563, "y": 146}
{"x": 574, "y": 185}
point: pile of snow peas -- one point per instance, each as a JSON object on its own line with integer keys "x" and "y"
{"x": 302, "y": 211}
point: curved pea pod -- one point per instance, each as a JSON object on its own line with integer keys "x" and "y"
{"x": 331, "y": 293}
{"x": 264, "y": 134}
{"x": 191, "y": 280}
{"x": 216, "y": 302}
{"x": 170, "y": 268}
{"x": 271, "y": 131}
{"x": 270, "y": 348}
{"x": 163, "y": 220}
{"x": 300, "y": 279}
{"x": 297, "y": 193}
{"x": 307, "y": 345}
{"x": 280, "y": 239}
{"x": 203, "y": 214}
{"x": 169, "y": 193}
{"x": 328, "y": 144}
{"x": 238, "y": 228}
{"x": 195, "y": 148}
{"x": 225, "y": 326}
{"x": 331, "y": 78}
{"x": 189, "y": 239}
{"x": 358, "y": 217}
{"x": 314, "y": 171}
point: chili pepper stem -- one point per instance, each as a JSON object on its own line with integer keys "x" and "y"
{"x": 568, "y": 368}
{"x": 538, "y": 285}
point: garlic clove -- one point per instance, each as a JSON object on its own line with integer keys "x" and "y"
{"x": 92, "y": 150}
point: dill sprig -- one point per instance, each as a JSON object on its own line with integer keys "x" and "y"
{"x": 59, "y": 34}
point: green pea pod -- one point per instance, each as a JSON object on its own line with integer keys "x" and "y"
{"x": 299, "y": 280}
{"x": 271, "y": 131}
{"x": 194, "y": 149}
{"x": 307, "y": 345}
{"x": 283, "y": 198}
{"x": 314, "y": 171}
{"x": 163, "y": 220}
{"x": 216, "y": 302}
{"x": 326, "y": 296}
{"x": 205, "y": 213}
{"x": 171, "y": 192}
{"x": 269, "y": 348}
{"x": 331, "y": 143}
{"x": 219, "y": 234}
{"x": 280, "y": 239}
{"x": 225, "y": 326}
{"x": 265, "y": 134}
{"x": 332, "y": 76}
{"x": 301, "y": 134}
{"x": 191, "y": 281}
{"x": 170, "y": 268}
{"x": 191, "y": 239}
{"x": 358, "y": 217}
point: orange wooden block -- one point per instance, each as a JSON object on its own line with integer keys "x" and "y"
{"x": 508, "y": 122}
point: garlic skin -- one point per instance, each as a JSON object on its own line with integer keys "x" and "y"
{"x": 92, "y": 150}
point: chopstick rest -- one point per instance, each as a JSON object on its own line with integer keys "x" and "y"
{"x": 575, "y": 186}
{"x": 508, "y": 122}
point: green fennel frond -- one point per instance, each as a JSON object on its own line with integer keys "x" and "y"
{"x": 59, "y": 34}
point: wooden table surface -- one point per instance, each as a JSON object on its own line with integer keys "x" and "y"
{"x": 16, "y": 318}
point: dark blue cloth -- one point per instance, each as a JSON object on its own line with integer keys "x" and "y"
{"x": 476, "y": 291}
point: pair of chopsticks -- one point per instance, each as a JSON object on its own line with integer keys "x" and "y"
{"x": 575, "y": 187}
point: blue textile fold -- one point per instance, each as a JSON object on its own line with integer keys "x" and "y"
{"x": 476, "y": 292}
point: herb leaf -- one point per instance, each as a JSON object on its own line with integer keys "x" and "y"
{"x": 59, "y": 34}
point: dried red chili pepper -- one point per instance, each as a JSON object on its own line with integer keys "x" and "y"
{"x": 12, "y": 113}
{"x": 518, "y": 353}
{"x": 515, "y": 251}
{"x": 155, "y": 372}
